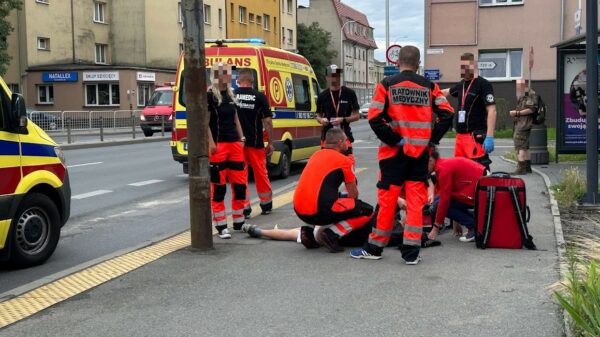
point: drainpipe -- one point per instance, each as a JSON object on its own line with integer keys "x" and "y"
{"x": 562, "y": 20}
{"x": 73, "y": 31}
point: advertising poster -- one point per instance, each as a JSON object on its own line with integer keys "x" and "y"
{"x": 574, "y": 101}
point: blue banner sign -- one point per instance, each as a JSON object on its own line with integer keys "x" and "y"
{"x": 432, "y": 74}
{"x": 60, "y": 76}
{"x": 390, "y": 70}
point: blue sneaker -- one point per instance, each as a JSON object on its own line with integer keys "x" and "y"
{"x": 363, "y": 254}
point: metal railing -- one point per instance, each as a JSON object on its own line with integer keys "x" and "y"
{"x": 89, "y": 123}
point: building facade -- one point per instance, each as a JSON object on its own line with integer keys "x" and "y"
{"x": 254, "y": 19}
{"x": 288, "y": 16}
{"x": 352, "y": 39}
{"x": 501, "y": 34}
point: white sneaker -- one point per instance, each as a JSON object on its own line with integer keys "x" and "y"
{"x": 225, "y": 234}
{"x": 415, "y": 262}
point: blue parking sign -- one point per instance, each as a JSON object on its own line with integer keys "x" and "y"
{"x": 432, "y": 74}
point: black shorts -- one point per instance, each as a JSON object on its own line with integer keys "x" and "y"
{"x": 401, "y": 168}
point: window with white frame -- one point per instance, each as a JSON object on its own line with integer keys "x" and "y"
{"x": 207, "y": 14}
{"x": 43, "y": 43}
{"x": 101, "y": 51}
{"x": 500, "y": 2}
{"x": 290, "y": 36}
{"x": 102, "y": 94}
{"x": 99, "y": 12}
{"x": 45, "y": 94}
{"x": 242, "y": 14}
{"x": 14, "y": 87}
{"x": 179, "y": 13}
{"x": 290, "y": 6}
{"x": 266, "y": 22}
{"x": 144, "y": 91}
{"x": 501, "y": 64}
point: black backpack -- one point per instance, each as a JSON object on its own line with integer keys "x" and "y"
{"x": 539, "y": 115}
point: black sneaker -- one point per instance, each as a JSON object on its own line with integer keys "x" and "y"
{"x": 266, "y": 208}
{"x": 238, "y": 226}
{"x": 307, "y": 238}
{"x": 330, "y": 240}
{"x": 247, "y": 212}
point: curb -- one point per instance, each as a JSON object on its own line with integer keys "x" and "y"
{"x": 561, "y": 245}
{"x": 113, "y": 143}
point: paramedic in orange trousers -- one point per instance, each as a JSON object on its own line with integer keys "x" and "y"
{"x": 337, "y": 107}
{"x": 402, "y": 117}
{"x": 317, "y": 201}
{"x": 255, "y": 114}
{"x": 476, "y": 115}
{"x": 226, "y": 145}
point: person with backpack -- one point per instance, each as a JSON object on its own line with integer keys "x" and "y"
{"x": 524, "y": 117}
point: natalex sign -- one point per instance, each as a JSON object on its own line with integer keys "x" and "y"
{"x": 60, "y": 76}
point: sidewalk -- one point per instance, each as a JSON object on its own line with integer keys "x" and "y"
{"x": 253, "y": 287}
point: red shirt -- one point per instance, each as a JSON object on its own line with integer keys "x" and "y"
{"x": 456, "y": 179}
{"x": 318, "y": 186}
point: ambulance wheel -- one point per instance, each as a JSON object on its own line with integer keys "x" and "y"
{"x": 35, "y": 231}
{"x": 148, "y": 133}
{"x": 285, "y": 163}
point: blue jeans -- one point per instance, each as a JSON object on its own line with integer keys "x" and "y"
{"x": 458, "y": 211}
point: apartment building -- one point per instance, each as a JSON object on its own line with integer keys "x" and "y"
{"x": 111, "y": 54}
{"x": 256, "y": 19}
{"x": 288, "y": 24}
{"x": 501, "y": 34}
{"x": 352, "y": 38}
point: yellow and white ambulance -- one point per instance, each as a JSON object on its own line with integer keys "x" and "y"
{"x": 288, "y": 81}
{"x": 35, "y": 196}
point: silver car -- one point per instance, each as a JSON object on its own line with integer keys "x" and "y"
{"x": 364, "y": 110}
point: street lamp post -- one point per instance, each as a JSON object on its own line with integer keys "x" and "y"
{"x": 342, "y": 45}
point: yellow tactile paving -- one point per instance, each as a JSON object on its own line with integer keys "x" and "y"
{"x": 36, "y": 300}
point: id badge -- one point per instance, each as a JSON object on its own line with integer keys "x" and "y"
{"x": 462, "y": 114}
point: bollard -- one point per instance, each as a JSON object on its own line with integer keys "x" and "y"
{"x": 68, "y": 130}
{"x": 133, "y": 126}
{"x": 162, "y": 128}
{"x": 538, "y": 145}
{"x": 101, "y": 128}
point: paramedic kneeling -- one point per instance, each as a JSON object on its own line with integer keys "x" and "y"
{"x": 317, "y": 201}
{"x": 456, "y": 182}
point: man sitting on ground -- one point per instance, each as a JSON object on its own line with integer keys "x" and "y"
{"x": 317, "y": 201}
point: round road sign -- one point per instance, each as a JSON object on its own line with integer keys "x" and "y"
{"x": 393, "y": 53}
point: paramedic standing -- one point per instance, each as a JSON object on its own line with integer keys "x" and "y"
{"x": 337, "y": 106}
{"x": 476, "y": 114}
{"x": 255, "y": 114}
{"x": 226, "y": 145}
{"x": 402, "y": 117}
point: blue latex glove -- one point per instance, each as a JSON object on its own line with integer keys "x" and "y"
{"x": 488, "y": 144}
{"x": 402, "y": 142}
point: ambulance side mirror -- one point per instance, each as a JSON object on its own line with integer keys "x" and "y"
{"x": 19, "y": 114}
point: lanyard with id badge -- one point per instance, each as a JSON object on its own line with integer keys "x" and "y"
{"x": 336, "y": 107}
{"x": 462, "y": 114}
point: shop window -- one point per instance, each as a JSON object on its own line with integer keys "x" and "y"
{"x": 144, "y": 91}
{"x": 102, "y": 94}
{"x": 501, "y": 64}
{"x": 45, "y": 94}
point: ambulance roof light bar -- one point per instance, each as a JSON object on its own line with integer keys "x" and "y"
{"x": 220, "y": 42}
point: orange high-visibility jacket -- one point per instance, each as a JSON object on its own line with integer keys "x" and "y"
{"x": 402, "y": 108}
